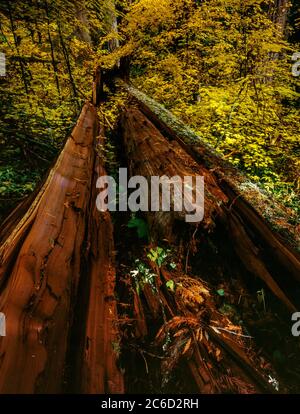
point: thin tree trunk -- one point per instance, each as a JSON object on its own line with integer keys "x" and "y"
{"x": 54, "y": 65}
{"x": 279, "y": 15}
{"x": 67, "y": 60}
{"x": 22, "y": 68}
{"x": 82, "y": 15}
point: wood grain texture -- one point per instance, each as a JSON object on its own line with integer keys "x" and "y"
{"x": 41, "y": 266}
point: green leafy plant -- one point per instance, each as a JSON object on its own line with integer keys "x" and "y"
{"x": 17, "y": 182}
{"x": 199, "y": 66}
{"x": 171, "y": 285}
{"x": 142, "y": 275}
{"x": 158, "y": 255}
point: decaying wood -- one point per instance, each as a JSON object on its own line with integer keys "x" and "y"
{"x": 57, "y": 268}
{"x": 41, "y": 267}
{"x": 98, "y": 373}
{"x": 37, "y": 299}
{"x": 149, "y": 153}
{"x": 249, "y": 254}
{"x": 214, "y": 351}
{"x": 268, "y": 217}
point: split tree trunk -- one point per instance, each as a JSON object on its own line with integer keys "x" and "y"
{"x": 41, "y": 267}
{"x": 151, "y": 154}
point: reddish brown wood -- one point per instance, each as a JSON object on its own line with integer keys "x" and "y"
{"x": 150, "y": 154}
{"x": 99, "y": 372}
{"x": 42, "y": 264}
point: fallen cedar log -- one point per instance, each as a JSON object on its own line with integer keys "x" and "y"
{"x": 40, "y": 268}
{"x": 217, "y": 356}
{"x": 267, "y": 223}
{"x": 150, "y": 154}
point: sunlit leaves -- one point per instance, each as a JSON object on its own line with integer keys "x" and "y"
{"x": 224, "y": 69}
